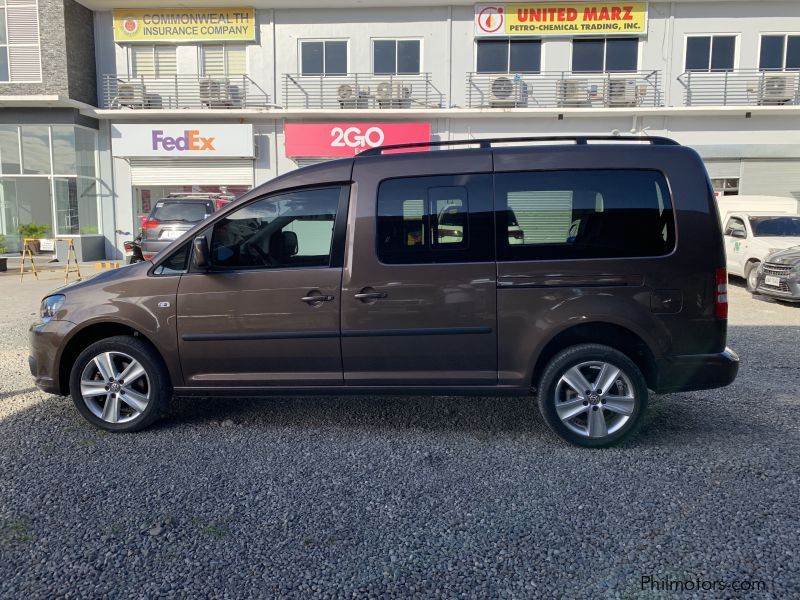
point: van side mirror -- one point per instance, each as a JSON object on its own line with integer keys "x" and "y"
{"x": 200, "y": 252}
{"x": 738, "y": 233}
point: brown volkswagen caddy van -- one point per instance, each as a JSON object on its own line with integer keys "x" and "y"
{"x": 584, "y": 270}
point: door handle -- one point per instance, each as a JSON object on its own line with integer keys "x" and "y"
{"x": 316, "y": 299}
{"x": 370, "y": 294}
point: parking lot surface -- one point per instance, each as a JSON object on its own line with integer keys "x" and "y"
{"x": 444, "y": 496}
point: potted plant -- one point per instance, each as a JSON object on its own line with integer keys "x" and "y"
{"x": 3, "y": 261}
{"x": 33, "y": 232}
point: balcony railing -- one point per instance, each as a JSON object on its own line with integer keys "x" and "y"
{"x": 182, "y": 91}
{"x": 360, "y": 90}
{"x": 564, "y": 89}
{"x": 741, "y": 87}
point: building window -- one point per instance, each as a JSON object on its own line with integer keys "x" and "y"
{"x": 61, "y": 194}
{"x": 779, "y": 52}
{"x": 224, "y": 60}
{"x": 605, "y": 55}
{"x": 725, "y": 186}
{"x": 509, "y": 56}
{"x": 20, "y": 59}
{"x": 396, "y": 57}
{"x": 710, "y": 52}
{"x": 153, "y": 61}
{"x": 326, "y": 57}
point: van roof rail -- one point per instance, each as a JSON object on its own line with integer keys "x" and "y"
{"x": 488, "y": 142}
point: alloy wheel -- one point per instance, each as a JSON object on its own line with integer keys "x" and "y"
{"x": 115, "y": 387}
{"x": 594, "y": 399}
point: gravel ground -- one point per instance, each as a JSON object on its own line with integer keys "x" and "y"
{"x": 399, "y": 497}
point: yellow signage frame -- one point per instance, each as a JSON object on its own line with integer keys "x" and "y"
{"x": 554, "y": 19}
{"x": 132, "y": 25}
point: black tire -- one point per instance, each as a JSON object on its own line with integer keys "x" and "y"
{"x": 587, "y": 353}
{"x": 751, "y": 269}
{"x": 157, "y": 382}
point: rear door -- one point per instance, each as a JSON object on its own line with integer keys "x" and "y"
{"x": 596, "y": 232}
{"x": 266, "y": 312}
{"x": 419, "y": 291}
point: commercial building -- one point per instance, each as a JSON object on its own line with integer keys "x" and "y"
{"x": 227, "y": 96}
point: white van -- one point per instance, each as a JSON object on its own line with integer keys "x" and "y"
{"x": 751, "y": 236}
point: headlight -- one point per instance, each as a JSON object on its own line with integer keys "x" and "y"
{"x": 50, "y": 306}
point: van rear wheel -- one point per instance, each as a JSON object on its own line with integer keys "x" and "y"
{"x": 592, "y": 395}
{"x": 120, "y": 384}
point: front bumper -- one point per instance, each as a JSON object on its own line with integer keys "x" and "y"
{"x": 697, "y": 371}
{"x": 788, "y": 291}
{"x": 45, "y": 342}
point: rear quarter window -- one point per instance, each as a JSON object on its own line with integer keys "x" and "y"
{"x": 573, "y": 214}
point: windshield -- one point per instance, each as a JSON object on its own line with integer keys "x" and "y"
{"x": 775, "y": 226}
{"x": 189, "y": 212}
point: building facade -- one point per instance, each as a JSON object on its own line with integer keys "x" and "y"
{"x": 220, "y": 99}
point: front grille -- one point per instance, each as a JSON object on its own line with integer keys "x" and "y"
{"x": 776, "y": 270}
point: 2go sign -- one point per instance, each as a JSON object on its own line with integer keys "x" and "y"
{"x": 353, "y": 138}
{"x": 335, "y": 140}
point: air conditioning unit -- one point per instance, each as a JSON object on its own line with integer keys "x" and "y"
{"x": 349, "y": 97}
{"x": 211, "y": 92}
{"x": 572, "y": 92}
{"x": 393, "y": 94}
{"x": 130, "y": 94}
{"x": 506, "y": 92}
{"x": 778, "y": 88}
{"x": 621, "y": 92}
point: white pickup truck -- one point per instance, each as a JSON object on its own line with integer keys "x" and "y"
{"x": 751, "y": 236}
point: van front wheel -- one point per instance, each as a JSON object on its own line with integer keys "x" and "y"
{"x": 120, "y": 384}
{"x": 592, "y": 395}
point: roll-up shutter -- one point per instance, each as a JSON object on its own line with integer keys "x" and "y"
{"x": 719, "y": 169}
{"x": 544, "y": 216}
{"x": 771, "y": 178}
{"x": 191, "y": 171}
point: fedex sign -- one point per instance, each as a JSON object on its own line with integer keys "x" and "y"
{"x": 190, "y": 140}
{"x": 201, "y": 140}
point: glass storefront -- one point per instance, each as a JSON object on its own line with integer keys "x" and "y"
{"x": 48, "y": 177}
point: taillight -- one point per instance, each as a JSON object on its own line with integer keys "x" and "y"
{"x": 149, "y": 224}
{"x": 147, "y": 256}
{"x": 128, "y": 246}
{"x": 516, "y": 235}
{"x": 220, "y": 202}
{"x": 721, "y": 293}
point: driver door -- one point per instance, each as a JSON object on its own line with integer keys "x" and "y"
{"x": 735, "y": 245}
{"x": 266, "y": 312}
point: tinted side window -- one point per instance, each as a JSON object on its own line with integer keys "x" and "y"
{"x": 291, "y": 230}
{"x": 734, "y": 224}
{"x": 547, "y": 215}
{"x": 435, "y": 219}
